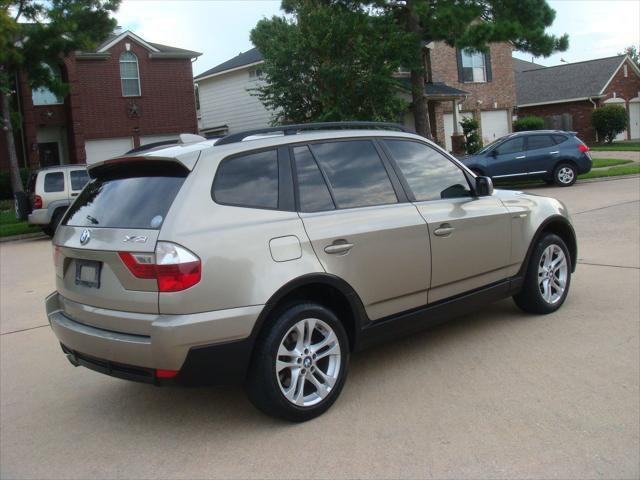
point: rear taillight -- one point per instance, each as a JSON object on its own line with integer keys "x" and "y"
{"x": 583, "y": 148}
{"x": 37, "y": 202}
{"x": 174, "y": 267}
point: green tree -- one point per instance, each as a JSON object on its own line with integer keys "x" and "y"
{"x": 470, "y": 130}
{"x": 632, "y": 52}
{"x": 37, "y": 33}
{"x": 609, "y": 121}
{"x": 530, "y": 122}
{"x": 330, "y": 61}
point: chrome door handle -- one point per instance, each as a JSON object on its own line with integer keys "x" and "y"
{"x": 521, "y": 157}
{"x": 553, "y": 153}
{"x": 444, "y": 230}
{"x": 339, "y": 246}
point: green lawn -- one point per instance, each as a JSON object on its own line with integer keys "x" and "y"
{"x": 609, "y": 162}
{"x": 10, "y": 226}
{"x": 617, "y": 147}
{"x": 612, "y": 172}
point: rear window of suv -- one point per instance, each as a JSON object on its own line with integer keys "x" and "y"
{"x": 128, "y": 196}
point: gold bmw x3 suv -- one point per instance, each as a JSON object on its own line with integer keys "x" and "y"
{"x": 267, "y": 257}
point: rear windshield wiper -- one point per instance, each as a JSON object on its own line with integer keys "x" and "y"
{"x": 93, "y": 220}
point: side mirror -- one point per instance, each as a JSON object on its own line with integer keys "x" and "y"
{"x": 494, "y": 152}
{"x": 484, "y": 186}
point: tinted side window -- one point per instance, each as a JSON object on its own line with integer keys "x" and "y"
{"x": 356, "y": 173}
{"x": 313, "y": 193}
{"x": 511, "y": 146}
{"x": 54, "y": 182}
{"x": 559, "y": 138}
{"x": 79, "y": 179}
{"x": 248, "y": 181}
{"x": 430, "y": 175}
{"x": 540, "y": 141}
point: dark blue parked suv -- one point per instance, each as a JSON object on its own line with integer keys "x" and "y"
{"x": 551, "y": 155}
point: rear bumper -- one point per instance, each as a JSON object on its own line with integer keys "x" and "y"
{"x": 39, "y": 217}
{"x": 212, "y": 347}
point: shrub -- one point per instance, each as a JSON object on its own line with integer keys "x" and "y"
{"x": 5, "y": 183}
{"x": 530, "y": 122}
{"x": 470, "y": 127}
{"x": 609, "y": 121}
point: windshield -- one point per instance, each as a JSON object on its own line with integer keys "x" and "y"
{"x": 127, "y": 198}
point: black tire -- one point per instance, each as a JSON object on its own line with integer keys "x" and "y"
{"x": 55, "y": 221}
{"x": 21, "y": 205}
{"x": 262, "y": 384}
{"x": 565, "y": 174}
{"x": 530, "y": 299}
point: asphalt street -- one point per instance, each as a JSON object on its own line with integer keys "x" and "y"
{"x": 496, "y": 394}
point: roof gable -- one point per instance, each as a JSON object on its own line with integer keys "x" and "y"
{"x": 114, "y": 39}
{"x": 565, "y": 82}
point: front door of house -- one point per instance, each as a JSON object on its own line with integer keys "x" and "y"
{"x": 49, "y": 154}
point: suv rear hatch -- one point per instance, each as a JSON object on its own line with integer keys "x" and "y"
{"x": 104, "y": 249}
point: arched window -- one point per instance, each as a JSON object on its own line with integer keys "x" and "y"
{"x": 43, "y": 95}
{"x": 129, "y": 75}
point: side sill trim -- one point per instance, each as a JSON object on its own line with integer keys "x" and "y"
{"x": 415, "y": 320}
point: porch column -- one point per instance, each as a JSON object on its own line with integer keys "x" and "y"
{"x": 457, "y": 139}
{"x": 456, "y": 119}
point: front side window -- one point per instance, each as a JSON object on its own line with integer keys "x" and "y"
{"x": 43, "y": 95}
{"x": 248, "y": 181}
{"x": 540, "y": 141}
{"x": 511, "y": 146}
{"x": 313, "y": 192}
{"x": 54, "y": 182}
{"x": 129, "y": 75}
{"x": 430, "y": 175}
{"x": 473, "y": 66}
{"x": 79, "y": 179}
{"x": 355, "y": 172}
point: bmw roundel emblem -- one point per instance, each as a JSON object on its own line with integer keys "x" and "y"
{"x": 85, "y": 236}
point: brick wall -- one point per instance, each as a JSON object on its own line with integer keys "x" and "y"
{"x": 580, "y": 112}
{"x": 624, "y": 87}
{"x": 166, "y": 103}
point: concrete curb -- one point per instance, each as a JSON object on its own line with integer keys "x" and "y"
{"x": 23, "y": 236}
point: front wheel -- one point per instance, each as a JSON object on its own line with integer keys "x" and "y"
{"x": 565, "y": 175}
{"x": 300, "y": 364}
{"x": 548, "y": 276}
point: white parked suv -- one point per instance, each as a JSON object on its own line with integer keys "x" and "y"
{"x": 51, "y": 190}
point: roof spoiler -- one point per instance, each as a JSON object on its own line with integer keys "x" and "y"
{"x": 187, "y": 161}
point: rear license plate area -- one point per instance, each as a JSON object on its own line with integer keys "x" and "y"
{"x": 88, "y": 273}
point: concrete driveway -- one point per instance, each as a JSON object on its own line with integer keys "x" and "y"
{"x": 497, "y": 394}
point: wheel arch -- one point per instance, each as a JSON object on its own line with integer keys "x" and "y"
{"x": 326, "y": 289}
{"x": 558, "y": 225}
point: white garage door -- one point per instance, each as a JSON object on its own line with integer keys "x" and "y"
{"x": 494, "y": 124}
{"x": 634, "y": 119}
{"x": 147, "y": 139}
{"x": 103, "y": 149}
{"x": 448, "y": 127}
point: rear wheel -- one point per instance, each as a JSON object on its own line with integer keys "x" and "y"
{"x": 548, "y": 277}
{"x": 300, "y": 364}
{"x": 565, "y": 175}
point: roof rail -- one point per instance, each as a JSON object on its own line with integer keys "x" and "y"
{"x": 296, "y": 128}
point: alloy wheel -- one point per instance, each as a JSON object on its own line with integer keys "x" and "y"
{"x": 566, "y": 175}
{"x": 308, "y": 362}
{"x": 552, "y": 274}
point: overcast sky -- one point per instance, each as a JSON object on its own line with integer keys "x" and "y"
{"x": 219, "y": 29}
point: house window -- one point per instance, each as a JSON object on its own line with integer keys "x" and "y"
{"x": 43, "y": 95}
{"x": 129, "y": 75}
{"x": 473, "y": 66}
{"x": 255, "y": 73}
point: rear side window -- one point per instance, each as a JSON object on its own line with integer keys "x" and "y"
{"x": 540, "y": 141}
{"x": 54, "y": 182}
{"x": 313, "y": 192}
{"x": 355, "y": 172}
{"x": 511, "y": 146}
{"x": 559, "y": 138}
{"x": 248, "y": 181}
{"x": 430, "y": 175}
{"x": 79, "y": 179}
{"x": 128, "y": 196}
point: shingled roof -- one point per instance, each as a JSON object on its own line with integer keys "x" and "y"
{"x": 565, "y": 82}
{"x": 155, "y": 49}
{"x": 247, "y": 58}
{"x": 522, "y": 65}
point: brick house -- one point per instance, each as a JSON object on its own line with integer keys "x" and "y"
{"x": 566, "y": 95}
{"x": 126, "y": 93}
{"x": 478, "y": 84}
